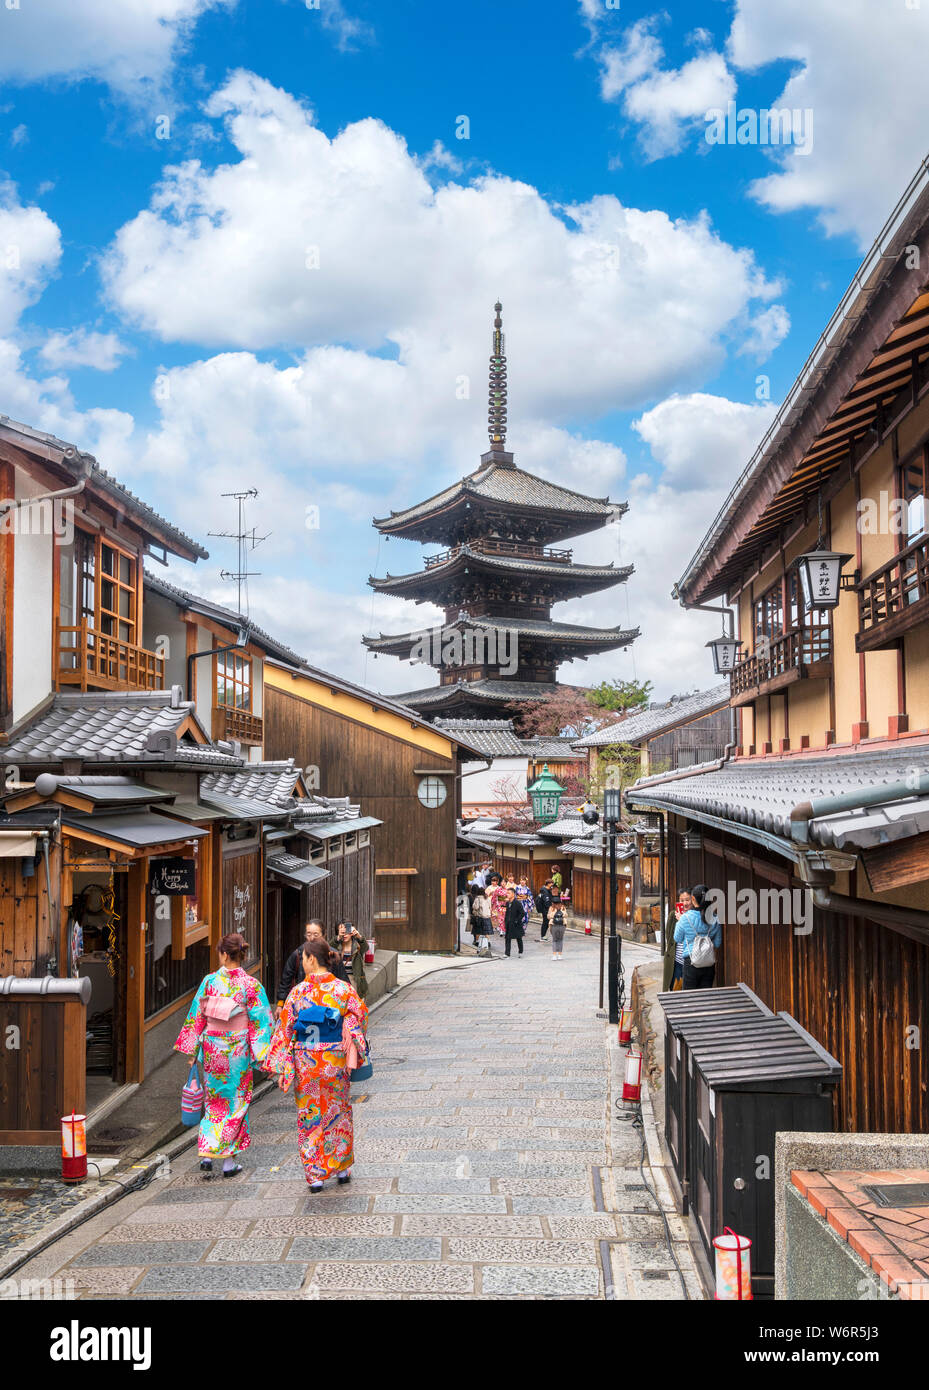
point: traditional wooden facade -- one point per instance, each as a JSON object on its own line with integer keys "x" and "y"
{"x": 498, "y": 578}
{"x": 401, "y": 770}
{"x": 824, "y": 807}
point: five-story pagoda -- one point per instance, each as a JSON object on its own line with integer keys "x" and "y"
{"x": 497, "y": 578}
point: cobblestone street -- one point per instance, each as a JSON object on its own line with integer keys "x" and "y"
{"x": 483, "y": 1166}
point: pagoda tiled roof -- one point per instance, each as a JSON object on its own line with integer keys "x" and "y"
{"x": 539, "y": 628}
{"x": 489, "y": 691}
{"x": 579, "y": 575}
{"x": 510, "y": 486}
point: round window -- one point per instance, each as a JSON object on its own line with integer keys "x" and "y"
{"x": 432, "y": 791}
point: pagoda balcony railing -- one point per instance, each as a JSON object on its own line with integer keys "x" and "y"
{"x": 894, "y": 598}
{"x": 803, "y": 654}
{"x": 93, "y": 661}
{"x": 521, "y": 550}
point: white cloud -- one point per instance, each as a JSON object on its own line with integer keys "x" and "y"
{"x": 30, "y": 249}
{"x": 306, "y": 239}
{"x": 82, "y": 347}
{"x": 768, "y": 330}
{"x": 129, "y": 44}
{"x": 703, "y": 442}
{"x": 664, "y": 102}
{"x": 19, "y": 135}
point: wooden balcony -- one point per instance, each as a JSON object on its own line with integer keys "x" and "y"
{"x": 236, "y": 724}
{"x": 894, "y": 598}
{"x": 518, "y": 550}
{"x": 93, "y": 661}
{"x": 804, "y": 654}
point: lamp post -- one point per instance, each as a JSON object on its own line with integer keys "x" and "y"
{"x": 546, "y": 793}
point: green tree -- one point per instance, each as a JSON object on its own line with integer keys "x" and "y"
{"x": 620, "y": 695}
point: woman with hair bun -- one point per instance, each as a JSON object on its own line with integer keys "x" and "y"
{"x": 230, "y": 1018}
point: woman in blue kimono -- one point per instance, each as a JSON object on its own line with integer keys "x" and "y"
{"x": 231, "y": 1020}
{"x": 524, "y": 894}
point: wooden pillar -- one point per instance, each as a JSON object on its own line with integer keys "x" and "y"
{"x": 136, "y": 927}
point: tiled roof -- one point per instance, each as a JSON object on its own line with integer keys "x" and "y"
{"x": 522, "y": 627}
{"x": 226, "y": 616}
{"x": 557, "y": 749}
{"x": 242, "y": 807}
{"x": 763, "y": 792}
{"x": 504, "y": 483}
{"x": 94, "y": 728}
{"x": 76, "y": 462}
{"x": 504, "y": 691}
{"x": 269, "y": 782}
{"x": 578, "y": 574}
{"x": 494, "y": 737}
{"x": 680, "y": 709}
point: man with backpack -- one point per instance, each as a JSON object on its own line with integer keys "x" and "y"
{"x": 545, "y": 900}
{"x": 701, "y": 940}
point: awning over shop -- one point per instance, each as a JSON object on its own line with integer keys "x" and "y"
{"x": 294, "y": 870}
{"x": 327, "y": 829}
{"x": 191, "y": 810}
{"x": 17, "y": 844}
{"x": 135, "y": 833}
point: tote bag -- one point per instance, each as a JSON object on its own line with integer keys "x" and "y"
{"x": 192, "y": 1098}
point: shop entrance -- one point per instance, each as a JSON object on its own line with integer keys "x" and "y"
{"x": 97, "y": 938}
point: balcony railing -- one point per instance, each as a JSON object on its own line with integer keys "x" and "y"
{"x": 805, "y": 653}
{"x": 894, "y": 598}
{"x": 93, "y": 661}
{"x": 520, "y": 550}
{"x": 236, "y": 724}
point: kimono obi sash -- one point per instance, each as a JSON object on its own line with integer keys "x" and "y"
{"x": 224, "y": 1014}
{"x": 317, "y": 1025}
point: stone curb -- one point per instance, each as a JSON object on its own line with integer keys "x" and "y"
{"x": 143, "y": 1171}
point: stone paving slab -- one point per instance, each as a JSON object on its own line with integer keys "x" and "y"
{"x": 153, "y": 1252}
{"x": 364, "y": 1248}
{"x": 165, "y": 1230}
{"x": 490, "y": 1250}
{"x": 528, "y": 1227}
{"x": 410, "y": 1278}
{"x": 539, "y": 1279}
{"x": 254, "y": 1248}
{"x": 321, "y": 1225}
{"x": 219, "y": 1278}
{"x": 440, "y": 1202}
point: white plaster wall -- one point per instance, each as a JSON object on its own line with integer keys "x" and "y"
{"x": 32, "y": 603}
{"x": 479, "y": 789}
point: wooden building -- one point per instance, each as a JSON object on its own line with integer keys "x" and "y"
{"x": 401, "y": 770}
{"x": 497, "y": 579}
{"x": 823, "y": 812}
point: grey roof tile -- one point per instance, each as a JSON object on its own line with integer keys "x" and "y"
{"x": 504, "y": 483}
{"x": 494, "y": 737}
{"x": 646, "y": 723}
{"x": 269, "y": 782}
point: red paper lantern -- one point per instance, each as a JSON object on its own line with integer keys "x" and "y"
{"x": 73, "y": 1148}
{"x": 625, "y": 1027}
{"x": 588, "y": 926}
{"x": 369, "y": 953}
{"x": 632, "y": 1084}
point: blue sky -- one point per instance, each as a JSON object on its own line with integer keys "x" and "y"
{"x": 289, "y": 288}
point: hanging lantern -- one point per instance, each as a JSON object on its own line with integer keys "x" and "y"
{"x": 588, "y": 927}
{"x": 733, "y": 1265}
{"x": 369, "y": 953}
{"x": 613, "y": 804}
{"x": 725, "y": 654}
{"x": 632, "y": 1084}
{"x": 546, "y": 793}
{"x": 73, "y": 1148}
{"x": 820, "y": 574}
{"x": 625, "y": 1027}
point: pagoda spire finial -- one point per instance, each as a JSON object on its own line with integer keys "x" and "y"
{"x": 496, "y": 416}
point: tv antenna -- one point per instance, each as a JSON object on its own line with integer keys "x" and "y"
{"x": 245, "y": 541}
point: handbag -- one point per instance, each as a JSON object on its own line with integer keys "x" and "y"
{"x": 702, "y": 952}
{"x": 192, "y": 1097}
{"x": 358, "y": 1071}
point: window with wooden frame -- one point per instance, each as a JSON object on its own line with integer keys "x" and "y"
{"x": 364, "y": 838}
{"x": 914, "y": 487}
{"x": 233, "y": 681}
{"x": 392, "y": 899}
{"x": 351, "y": 843}
{"x": 335, "y": 847}
{"x": 117, "y": 593}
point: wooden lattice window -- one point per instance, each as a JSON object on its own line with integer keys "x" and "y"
{"x": 117, "y": 593}
{"x": 233, "y": 681}
{"x": 392, "y": 898}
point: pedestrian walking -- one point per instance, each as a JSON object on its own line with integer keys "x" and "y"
{"x": 701, "y": 940}
{"x": 230, "y": 1020}
{"x": 481, "y": 928}
{"x": 292, "y": 974}
{"x": 351, "y": 945}
{"x": 557, "y": 880}
{"x": 673, "y": 974}
{"x": 498, "y": 901}
{"x": 322, "y": 1020}
{"x": 526, "y": 900}
{"x": 513, "y": 922}
{"x": 558, "y": 929}
{"x": 546, "y": 901}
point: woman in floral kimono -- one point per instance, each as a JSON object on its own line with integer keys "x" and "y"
{"x": 231, "y": 1020}
{"x": 497, "y": 895}
{"x": 319, "y": 1039}
{"x": 524, "y": 894}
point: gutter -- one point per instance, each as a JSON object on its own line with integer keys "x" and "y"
{"x": 806, "y": 811}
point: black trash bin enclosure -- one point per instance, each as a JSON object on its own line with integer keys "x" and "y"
{"x": 736, "y": 1075}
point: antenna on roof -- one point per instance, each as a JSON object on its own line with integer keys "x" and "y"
{"x": 245, "y": 541}
{"x": 496, "y": 415}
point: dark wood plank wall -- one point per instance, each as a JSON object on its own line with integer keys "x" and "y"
{"x": 27, "y": 938}
{"x": 858, "y": 987}
{"x": 590, "y": 889}
{"x": 347, "y": 895}
{"x": 703, "y": 737}
{"x": 43, "y": 1078}
{"x": 376, "y": 769}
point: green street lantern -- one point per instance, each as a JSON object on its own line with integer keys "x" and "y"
{"x": 546, "y": 793}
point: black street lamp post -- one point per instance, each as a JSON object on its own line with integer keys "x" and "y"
{"x": 612, "y": 813}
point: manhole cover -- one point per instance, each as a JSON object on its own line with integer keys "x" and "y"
{"x": 899, "y": 1194}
